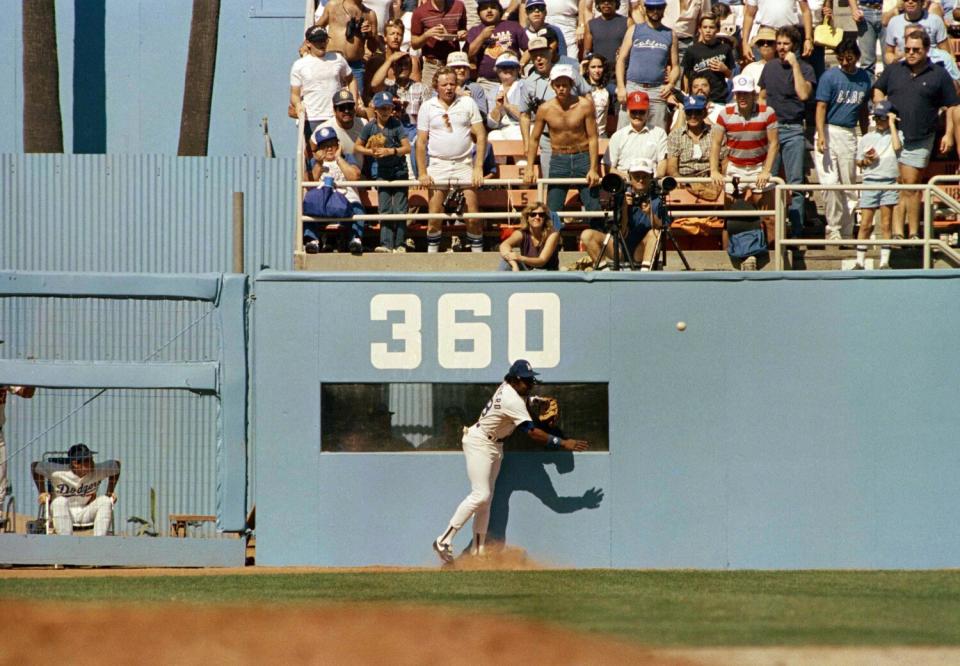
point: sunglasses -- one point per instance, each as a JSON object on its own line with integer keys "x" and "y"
{"x": 637, "y": 113}
{"x": 538, "y": 214}
{"x": 346, "y": 108}
{"x": 765, "y": 42}
{"x": 446, "y": 121}
{"x": 913, "y": 49}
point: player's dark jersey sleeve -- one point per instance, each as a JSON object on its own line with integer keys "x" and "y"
{"x": 526, "y": 427}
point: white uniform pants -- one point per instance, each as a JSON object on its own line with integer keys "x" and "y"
{"x": 99, "y": 512}
{"x": 838, "y": 165}
{"x": 483, "y": 459}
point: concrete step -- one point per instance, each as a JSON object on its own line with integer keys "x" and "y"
{"x": 469, "y": 262}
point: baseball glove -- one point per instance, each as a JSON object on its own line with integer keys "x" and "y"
{"x": 546, "y": 408}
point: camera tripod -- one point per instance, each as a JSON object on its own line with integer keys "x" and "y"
{"x": 660, "y": 251}
{"x": 614, "y": 235}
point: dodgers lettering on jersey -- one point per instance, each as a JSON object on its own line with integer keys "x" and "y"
{"x": 504, "y": 412}
{"x": 77, "y": 489}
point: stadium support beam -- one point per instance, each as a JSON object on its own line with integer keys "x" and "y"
{"x": 194, "y": 376}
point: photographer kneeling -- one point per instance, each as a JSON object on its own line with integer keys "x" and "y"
{"x": 643, "y": 211}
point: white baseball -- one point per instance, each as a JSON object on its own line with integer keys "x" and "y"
{"x": 681, "y": 325}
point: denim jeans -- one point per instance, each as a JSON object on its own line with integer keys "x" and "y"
{"x": 392, "y": 200}
{"x": 575, "y": 165}
{"x": 791, "y": 155}
{"x": 870, "y": 31}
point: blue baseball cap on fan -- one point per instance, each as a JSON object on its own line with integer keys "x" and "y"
{"x": 654, "y": 3}
{"x": 522, "y": 369}
{"x": 536, "y": 3}
{"x": 382, "y": 99}
{"x": 325, "y": 134}
{"x": 694, "y": 103}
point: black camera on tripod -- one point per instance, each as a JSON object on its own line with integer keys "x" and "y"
{"x": 617, "y": 186}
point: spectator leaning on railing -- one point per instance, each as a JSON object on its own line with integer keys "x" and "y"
{"x": 877, "y": 156}
{"x": 535, "y": 245}
{"x": 314, "y": 79}
{"x": 450, "y": 131}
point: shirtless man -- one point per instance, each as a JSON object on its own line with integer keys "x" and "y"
{"x": 353, "y": 30}
{"x": 573, "y": 140}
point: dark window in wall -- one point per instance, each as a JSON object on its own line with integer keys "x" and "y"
{"x": 412, "y": 417}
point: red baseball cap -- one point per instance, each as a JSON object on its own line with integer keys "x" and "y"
{"x": 638, "y": 101}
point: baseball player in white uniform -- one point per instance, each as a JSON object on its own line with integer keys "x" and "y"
{"x": 23, "y": 392}
{"x": 75, "y": 487}
{"x": 483, "y": 449}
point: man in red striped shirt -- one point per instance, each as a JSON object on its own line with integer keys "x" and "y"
{"x": 749, "y": 130}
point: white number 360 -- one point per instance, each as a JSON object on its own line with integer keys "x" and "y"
{"x": 465, "y": 344}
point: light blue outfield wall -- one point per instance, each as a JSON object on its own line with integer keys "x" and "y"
{"x": 799, "y": 421}
{"x": 143, "y": 57}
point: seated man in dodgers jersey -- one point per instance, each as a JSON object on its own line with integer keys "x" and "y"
{"x": 75, "y": 486}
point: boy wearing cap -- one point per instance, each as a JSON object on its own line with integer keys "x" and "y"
{"x": 645, "y": 55}
{"x": 638, "y": 140}
{"x": 75, "y": 485}
{"x": 345, "y": 123}
{"x": 491, "y": 39}
{"x": 639, "y": 216}
{"x": 315, "y": 78}
{"x": 877, "y": 157}
{"x": 573, "y": 141}
{"x": 384, "y": 141}
{"x": 330, "y": 161}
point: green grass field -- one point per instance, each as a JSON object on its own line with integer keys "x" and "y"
{"x": 678, "y": 608}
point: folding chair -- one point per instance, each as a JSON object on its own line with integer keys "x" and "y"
{"x": 8, "y": 513}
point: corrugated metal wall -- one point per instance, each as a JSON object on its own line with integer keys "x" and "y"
{"x": 143, "y": 213}
{"x": 130, "y": 213}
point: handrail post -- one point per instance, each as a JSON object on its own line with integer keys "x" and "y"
{"x": 927, "y": 225}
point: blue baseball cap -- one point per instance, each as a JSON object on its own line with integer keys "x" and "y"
{"x": 325, "y": 134}
{"x": 522, "y": 369}
{"x": 536, "y": 3}
{"x": 382, "y": 99}
{"x": 882, "y": 108}
{"x": 694, "y": 103}
{"x": 654, "y": 3}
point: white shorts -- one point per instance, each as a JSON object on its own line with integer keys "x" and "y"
{"x": 741, "y": 172}
{"x": 443, "y": 171}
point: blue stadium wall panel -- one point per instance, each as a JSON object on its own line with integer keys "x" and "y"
{"x": 122, "y": 66}
{"x": 799, "y": 421}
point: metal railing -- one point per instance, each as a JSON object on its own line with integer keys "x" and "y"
{"x": 927, "y": 243}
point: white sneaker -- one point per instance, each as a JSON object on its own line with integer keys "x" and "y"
{"x": 382, "y": 249}
{"x": 749, "y": 264}
{"x": 399, "y": 250}
{"x": 444, "y": 551}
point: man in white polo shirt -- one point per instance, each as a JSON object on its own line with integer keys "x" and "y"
{"x": 448, "y": 126}
{"x": 638, "y": 140}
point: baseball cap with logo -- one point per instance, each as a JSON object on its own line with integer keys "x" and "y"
{"x": 765, "y": 35}
{"x": 642, "y": 165}
{"x": 744, "y": 83}
{"x": 325, "y": 134}
{"x": 882, "y": 108}
{"x": 316, "y": 35}
{"x": 382, "y": 99}
{"x": 522, "y": 370}
{"x": 458, "y": 59}
{"x": 343, "y": 96}
{"x": 507, "y": 60}
{"x": 638, "y": 101}
{"x": 536, "y": 3}
{"x": 538, "y": 43}
{"x": 694, "y": 103}
{"x": 80, "y": 452}
{"x": 562, "y": 71}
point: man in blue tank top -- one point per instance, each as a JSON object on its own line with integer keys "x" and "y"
{"x": 646, "y": 52}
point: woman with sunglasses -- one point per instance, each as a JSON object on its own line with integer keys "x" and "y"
{"x": 535, "y": 245}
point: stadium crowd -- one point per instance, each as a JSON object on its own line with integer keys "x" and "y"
{"x": 396, "y": 89}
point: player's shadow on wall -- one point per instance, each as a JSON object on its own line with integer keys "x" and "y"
{"x": 527, "y": 472}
